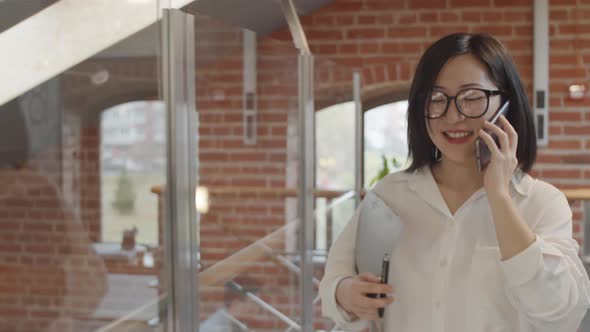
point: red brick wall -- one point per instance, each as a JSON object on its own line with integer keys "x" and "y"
{"x": 384, "y": 40}
{"x": 240, "y": 217}
{"x": 565, "y": 162}
{"x": 46, "y": 258}
{"x": 50, "y": 210}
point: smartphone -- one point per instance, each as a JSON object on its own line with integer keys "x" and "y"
{"x": 384, "y": 279}
{"x": 482, "y": 152}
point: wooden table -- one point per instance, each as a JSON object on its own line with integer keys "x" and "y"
{"x": 578, "y": 194}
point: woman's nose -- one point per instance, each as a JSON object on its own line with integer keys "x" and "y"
{"x": 453, "y": 115}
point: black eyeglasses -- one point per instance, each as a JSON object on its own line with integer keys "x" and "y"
{"x": 471, "y": 102}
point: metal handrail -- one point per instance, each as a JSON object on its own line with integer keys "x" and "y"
{"x": 268, "y": 250}
{"x": 225, "y": 270}
{"x": 236, "y": 321}
{"x": 265, "y": 305}
{"x": 115, "y": 325}
{"x": 279, "y": 258}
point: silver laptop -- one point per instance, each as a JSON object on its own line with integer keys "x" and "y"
{"x": 379, "y": 228}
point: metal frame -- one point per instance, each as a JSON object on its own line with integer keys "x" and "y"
{"x": 541, "y": 70}
{"x": 250, "y": 96}
{"x": 295, "y": 26}
{"x": 586, "y": 231}
{"x": 306, "y": 195}
{"x": 181, "y": 226}
{"x": 358, "y": 137}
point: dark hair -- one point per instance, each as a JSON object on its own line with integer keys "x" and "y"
{"x": 503, "y": 73}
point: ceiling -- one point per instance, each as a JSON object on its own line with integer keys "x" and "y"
{"x": 260, "y": 16}
{"x": 14, "y": 11}
{"x": 247, "y": 13}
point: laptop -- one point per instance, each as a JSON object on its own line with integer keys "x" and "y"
{"x": 378, "y": 231}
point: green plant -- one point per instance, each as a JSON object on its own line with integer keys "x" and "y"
{"x": 124, "y": 201}
{"x": 384, "y": 169}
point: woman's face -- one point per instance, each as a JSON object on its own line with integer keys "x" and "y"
{"x": 453, "y": 133}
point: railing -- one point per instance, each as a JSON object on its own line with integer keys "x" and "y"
{"x": 269, "y": 246}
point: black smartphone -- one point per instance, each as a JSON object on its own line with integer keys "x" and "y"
{"x": 482, "y": 152}
{"x": 384, "y": 279}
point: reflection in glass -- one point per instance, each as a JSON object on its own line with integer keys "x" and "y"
{"x": 80, "y": 220}
{"x": 132, "y": 152}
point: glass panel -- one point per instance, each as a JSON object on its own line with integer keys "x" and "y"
{"x": 249, "y": 275}
{"x": 335, "y": 162}
{"x": 81, "y": 167}
{"x": 250, "y": 241}
{"x": 335, "y": 148}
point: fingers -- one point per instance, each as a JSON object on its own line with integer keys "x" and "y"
{"x": 375, "y": 303}
{"x": 374, "y": 288}
{"x": 367, "y": 307}
{"x": 489, "y": 142}
{"x": 364, "y": 306}
{"x": 370, "y": 283}
{"x": 370, "y": 277}
{"x": 512, "y": 134}
{"x": 508, "y": 138}
{"x": 501, "y": 134}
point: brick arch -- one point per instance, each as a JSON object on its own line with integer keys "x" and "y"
{"x": 384, "y": 93}
{"x": 372, "y": 96}
{"x": 333, "y": 95}
{"x": 126, "y": 95}
{"x": 93, "y": 104}
{"x": 89, "y": 105}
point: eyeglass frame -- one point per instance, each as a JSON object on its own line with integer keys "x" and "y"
{"x": 487, "y": 92}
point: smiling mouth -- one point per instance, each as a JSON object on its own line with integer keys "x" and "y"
{"x": 457, "y": 134}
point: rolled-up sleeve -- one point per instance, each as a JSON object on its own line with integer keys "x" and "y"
{"x": 547, "y": 282}
{"x": 340, "y": 265}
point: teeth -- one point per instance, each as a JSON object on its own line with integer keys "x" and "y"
{"x": 458, "y": 134}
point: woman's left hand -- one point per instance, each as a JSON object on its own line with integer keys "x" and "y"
{"x": 500, "y": 170}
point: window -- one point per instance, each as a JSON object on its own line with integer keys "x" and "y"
{"x": 385, "y": 135}
{"x": 132, "y": 162}
{"x": 335, "y": 147}
{"x": 385, "y": 131}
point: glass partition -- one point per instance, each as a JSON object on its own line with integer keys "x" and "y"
{"x": 249, "y": 156}
{"x": 247, "y": 105}
{"x": 83, "y": 165}
{"x": 249, "y": 147}
{"x": 247, "y": 102}
{"x": 335, "y": 144}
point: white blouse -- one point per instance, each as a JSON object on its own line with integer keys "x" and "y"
{"x": 447, "y": 272}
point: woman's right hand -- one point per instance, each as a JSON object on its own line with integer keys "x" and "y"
{"x": 351, "y": 294}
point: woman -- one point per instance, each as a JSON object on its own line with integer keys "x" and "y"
{"x": 481, "y": 251}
